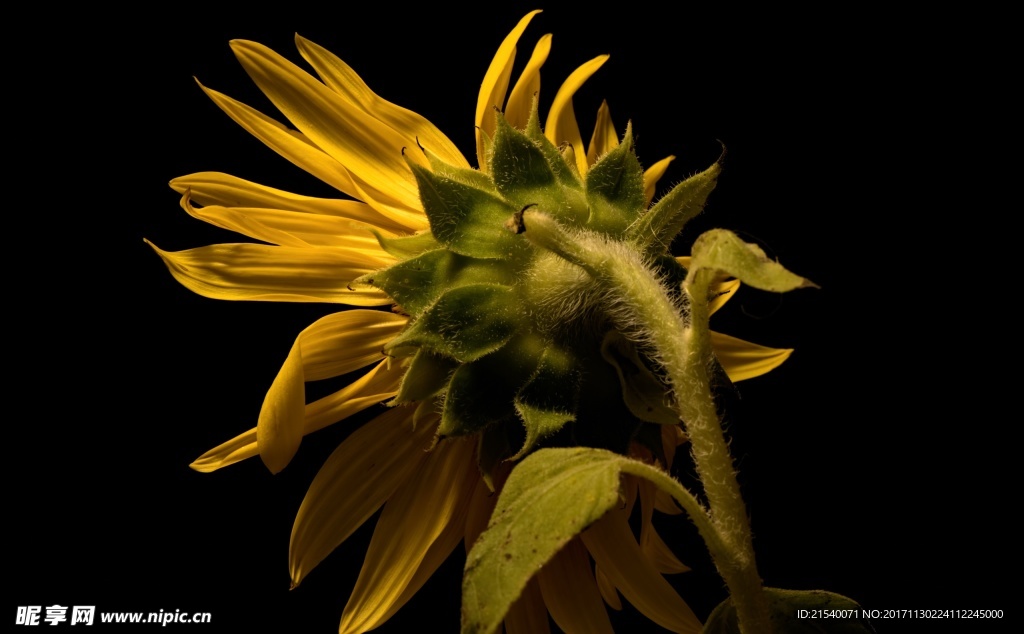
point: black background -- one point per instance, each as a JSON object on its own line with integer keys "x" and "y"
{"x": 872, "y": 461}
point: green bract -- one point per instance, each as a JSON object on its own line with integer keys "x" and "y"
{"x": 511, "y": 339}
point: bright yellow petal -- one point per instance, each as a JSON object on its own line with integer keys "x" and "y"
{"x": 268, "y": 273}
{"x": 571, "y": 594}
{"x": 369, "y": 150}
{"x": 377, "y": 385}
{"x": 528, "y": 614}
{"x": 652, "y": 175}
{"x": 344, "y": 342}
{"x": 429, "y": 508}
{"x": 290, "y": 228}
{"x": 604, "y": 138}
{"x": 340, "y": 77}
{"x": 288, "y": 143}
{"x": 520, "y": 101}
{"x": 362, "y": 473}
{"x": 561, "y": 125}
{"x": 494, "y": 86}
{"x": 279, "y": 429}
{"x": 613, "y": 546}
{"x": 216, "y": 188}
{"x": 743, "y": 360}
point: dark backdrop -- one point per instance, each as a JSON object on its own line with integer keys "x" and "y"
{"x": 870, "y": 461}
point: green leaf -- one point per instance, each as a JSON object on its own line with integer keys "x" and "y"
{"x": 551, "y": 496}
{"x": 722, "y": 250}
{"x": 417, "y": 282}
{"x": 548, "y": 400}
{"x": 844, "y": 615}
{"x": 645, "y": 396}
{"x": 655, "y": 230}
{"x": 615, "y": 188}
{"x": 465, "y": 323}
{"x": 467, "y": 220}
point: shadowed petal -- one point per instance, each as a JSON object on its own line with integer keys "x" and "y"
{"x": 571, "y": 594}
{"x": 561, "y": 125}
{"x": 744, "y": 360}
{"x": 528, "y": 615}
{"x": 428, "y": 509}
{"x": 613, "y": 546}
{"x": 659, "y": 554}
{"x": 604, "y": 137}
{"x": 362, "y": 473}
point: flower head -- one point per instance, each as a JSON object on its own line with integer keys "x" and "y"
{"x": 493, "y": 346}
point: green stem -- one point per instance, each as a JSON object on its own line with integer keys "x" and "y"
{"x": 683, "y": 349}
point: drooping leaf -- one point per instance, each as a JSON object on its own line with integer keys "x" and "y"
{"x": 646, "y": 396}
{"x": 722, "y": 250}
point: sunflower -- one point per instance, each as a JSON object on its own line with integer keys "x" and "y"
{"x": 467, "y": 401}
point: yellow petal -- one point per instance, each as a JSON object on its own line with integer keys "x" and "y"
{"x": 492, "y": 90}
{"x": 528, "y": 614}
{"x": 344, "y": 342}
{"x": 561, "y": 125}
{"x": 520, "y": 101}
{"x": 428, "y": 510}
{"x": 483, "y": 504}
{"x": 653, "y": 547}
{"x": 744, "y": 360}
{"x": 604, "y": 137}
{"x": 290, "y": 228}
{"x": 614, "y": 548}
{"x": 268, "y": 273}
{"x": 216, "y": 188}
{"x": 723, "y": 290}
{"x": 279, "y": 429}
{"x": 571, "y": 594}
{"x": 362, "y": 473}
{"x": 607, "y": 588}
{"x": 379, "y": 384}
{"x": 369, "y": 150}
{"x": 652, "y": 175}
{"x": 288, "y": 143}
{"x": 340, "y": 77}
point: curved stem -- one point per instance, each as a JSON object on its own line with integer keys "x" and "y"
{"x": 682, "y": 346}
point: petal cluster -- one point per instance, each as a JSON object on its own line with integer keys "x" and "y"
{"x": 401, "y": 238}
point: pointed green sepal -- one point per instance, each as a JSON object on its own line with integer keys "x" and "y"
{"x": 465, "y": 323}
{"x": 645, "y": 396}
{"x": 467, "y": 220}
{"x": 417, "y": 282}
{"x": 518, "y": 166}
{"x": 548, "y": 400}
{"x": 786, "y": 607}
{"x": 722, "y": 250}
{"x": 565, "y": 172}
{"x": 480, "y": 393}
{"x": 471, "y": 177}
{"x": 405, "y": 247}
{"x": 655, "y": 230}
{"x": 615, "y": 188}
{"x": 426, "y": 376}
